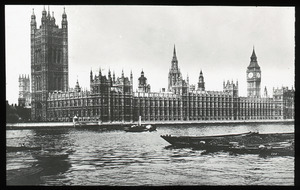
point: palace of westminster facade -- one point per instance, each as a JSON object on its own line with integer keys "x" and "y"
{"x": 113, "y": 99}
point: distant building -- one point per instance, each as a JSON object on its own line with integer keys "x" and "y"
{"x": 24, "y": 99}
{"x": 113, "y": 99}
{"x": 17, "y": 113}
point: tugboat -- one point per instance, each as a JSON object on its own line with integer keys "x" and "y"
{"x": 139, "y": 127}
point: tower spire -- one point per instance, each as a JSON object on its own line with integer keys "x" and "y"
{"x": 174, "y": 51}
{"x": 187, "y": 78}
{"x": 64, "y": 16}
{"x": 33, "y": 21}
{"x": 253, "y": 56}
{"x": 100, "y": 74}
{"x": 114, "y": 77}
{"x": 91, "y": 75}
{"x": 174, "y": 59}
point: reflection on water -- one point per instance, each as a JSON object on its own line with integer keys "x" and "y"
{"x": 113, "y": 157}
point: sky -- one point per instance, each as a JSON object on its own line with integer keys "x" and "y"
{"x": 215, "y": 39}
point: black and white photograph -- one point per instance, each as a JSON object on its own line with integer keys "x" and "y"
{"x": 149, "y": 95}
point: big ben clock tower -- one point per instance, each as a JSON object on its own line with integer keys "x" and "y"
{"x": 253, "y": 77}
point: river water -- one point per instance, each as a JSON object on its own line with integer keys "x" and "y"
{"x": 98, "y": 156}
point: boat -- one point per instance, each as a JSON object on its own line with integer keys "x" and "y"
{"x": 51, "y": 155}
{"x": 200, "y": 141}
{"x": 21, "y": 148}
{"x": 139, "y": 127}
{"x": 250, "y": 143}
{"x": 77, "y": 123}
{"x": 23, "y": 176}
{"x": 269, "y": 149}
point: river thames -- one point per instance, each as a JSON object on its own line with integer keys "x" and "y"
{"x": 102, "y": 156}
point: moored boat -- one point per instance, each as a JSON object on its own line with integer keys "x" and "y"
{"x": 269, "y": 149}
{"x": 140, "y": 127}
{"x": 251, "y": 143}
{"x": 77, "y": 123}
{"x": 23, "y": 176}
{"x": 199, "y": 140}
{"x": 20, "y": 148}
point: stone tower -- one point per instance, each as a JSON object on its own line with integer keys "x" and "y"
{"x": 201, "y": 83}
{"x": 24, "y": 99}
{"x": 231, "y": 88}
{"x": 253, "y": 77}
{"x": 266, "y": 92}
{"x": 143, "y": 86}
{"x": 174, "y": 72}
{"x": 49, "y": 61}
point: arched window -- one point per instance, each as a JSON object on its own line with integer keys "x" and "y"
{"x": 37, "y": 83}
{"x": 54, "y": 55}
{"x": 58, "y": 56}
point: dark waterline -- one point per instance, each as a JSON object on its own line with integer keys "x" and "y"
{"x": 97, "y": 156}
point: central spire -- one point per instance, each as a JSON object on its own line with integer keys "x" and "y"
{"x": 174, "y": 52}
{"x": 174, "y": 60}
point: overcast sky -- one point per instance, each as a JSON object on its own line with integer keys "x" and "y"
{"x": 219, "y": 40}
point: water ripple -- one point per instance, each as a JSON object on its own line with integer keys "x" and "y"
{"x": 102, "y": 157}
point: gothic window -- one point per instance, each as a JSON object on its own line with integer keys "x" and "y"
{"x": 39, "y": 56}
{"x": 38, "y": 79}
{"x": 35, "y": 56}
{"x": 50, "y": 59}
{"x": 36, "y": 83}
{"x": 58, "y": 56}
{"x": 54, "y": 55}
{"x": 59, "y": 83}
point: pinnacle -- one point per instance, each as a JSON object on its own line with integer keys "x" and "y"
{"x": 253, "y": 53}
{"x": 174, "y": 52}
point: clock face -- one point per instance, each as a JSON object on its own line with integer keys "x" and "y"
{"x": 250, "y": 75}
{"x": 258, "y": 75}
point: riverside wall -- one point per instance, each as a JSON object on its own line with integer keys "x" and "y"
{"x": 122, "y": 124}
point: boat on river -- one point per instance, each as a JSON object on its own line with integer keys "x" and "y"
{"x": 199, "y": 141}
{"x": 268, "y": 149}
{"x": 250, "y": 142}
{"x": 23, "y": 176}
{"x": 77, "y": 123}
{"x": 140, "y": 127}
{"x": 21, "y": 148}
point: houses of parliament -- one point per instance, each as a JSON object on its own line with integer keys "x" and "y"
{"x": 112, "y": 98}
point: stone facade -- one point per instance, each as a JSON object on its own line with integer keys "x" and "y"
{"x": 113, "y": 99}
